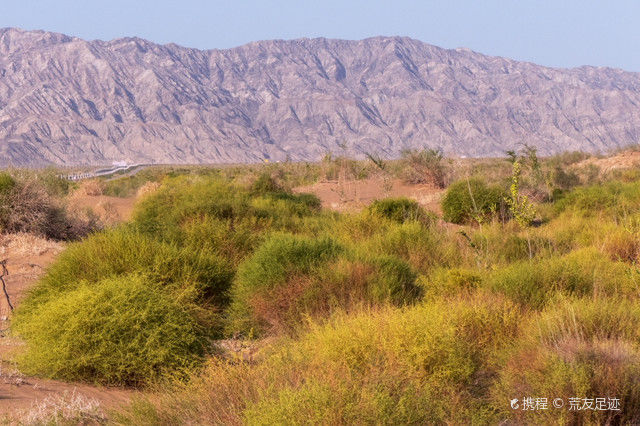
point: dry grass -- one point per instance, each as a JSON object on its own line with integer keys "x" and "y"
{"x": 93, "y": 188}
{"x": 68, "y": 408}
{"x": 147, "y": 188}
{"x": 24, "y": 244}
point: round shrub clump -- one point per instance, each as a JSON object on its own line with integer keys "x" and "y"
{"x": 25, "y": 206}
{"x": 271, "y": 265}
{"x": 118, "y": 331}
{"x": 471, "y": 200}
{"x": 265, "y": 184}
{"x": 400, "y": 210}
{"x": 291, "y": 278}
{"x": 202, "y": 275}
{"x": 179, "y": 199}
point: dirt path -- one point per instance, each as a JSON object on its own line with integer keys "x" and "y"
{"x": 27, "y": 258}
{"x": 355, "y": 194}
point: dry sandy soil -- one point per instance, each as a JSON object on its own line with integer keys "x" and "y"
{"x": 109, "y": 209}
{"x": 27, "y": 258}
{"x": 353, "y": 195}
{"x": 623, "y": 160}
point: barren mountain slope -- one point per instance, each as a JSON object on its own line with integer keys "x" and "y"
{"x": 69, "y": 101}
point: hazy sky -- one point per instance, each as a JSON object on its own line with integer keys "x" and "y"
{"x": 553, "y": 32}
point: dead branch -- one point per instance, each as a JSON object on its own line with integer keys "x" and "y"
{"x": 5, "y": 272}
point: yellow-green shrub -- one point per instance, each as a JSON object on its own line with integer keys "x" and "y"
{"x": 424, "y": 364}
{"x": 614, "y": 199}
{"x": 182, "y": 198}
{"x": 450, "y": 283}
{"x": 121, "y": 330}
{"x": 580, "y": 349}
{"x": 400, "y": 210}
{"x": 201, "y": 274}
{"x": 580, "y": 273}
{"x": 421, "y": 246}
{"x": 7, "y": 183}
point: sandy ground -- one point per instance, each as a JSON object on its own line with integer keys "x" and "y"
{"x": 110, "y": 209}
{"x": 27, "y": 258}
{"x": 623, "y": 160}
{"x": 354, "y": 195}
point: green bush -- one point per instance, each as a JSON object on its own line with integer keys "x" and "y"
{"x": 450, "y": 283}
{"x": 265, "y": 184}
{"x": 119, "y": 331}
{"x": 233, "y": 240}
{"x": 400, "y": 210}
{"x": 280, "y": 210}
{"x": 614, "y": 199}
{"x": 421, "y": 246}
{"x": 592, "y": 199}
{"x": 54, "y": 184}
{"x": 271, "y": 265}
{"x": 180, "y": 199}
{"x": 471, "y": 200}
{"x": 565, "y": 179}
{"x": 425, "y": 364}
{"x": 199, "y": 276}
{"x": 289, "y": 278}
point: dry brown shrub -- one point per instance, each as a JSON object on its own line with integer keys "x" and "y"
{"x": 623, "y": 247}
{"x": 110, "y": 215}
{"x": 23, "y": 244}
{"x": 92, "y": 188}
{"x": 28, "y": 208}
{"x": 424, "y": 167}
{"x": 67, "y": 408}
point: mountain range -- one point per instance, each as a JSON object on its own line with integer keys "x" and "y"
{"x": 68, "y": 101}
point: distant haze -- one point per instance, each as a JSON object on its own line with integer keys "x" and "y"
{"x": 64, "y": 100}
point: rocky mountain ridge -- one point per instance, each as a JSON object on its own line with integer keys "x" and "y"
{"x": 64, "y": 100}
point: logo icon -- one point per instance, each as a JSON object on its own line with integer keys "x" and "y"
{"x": 514, "y": 404}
